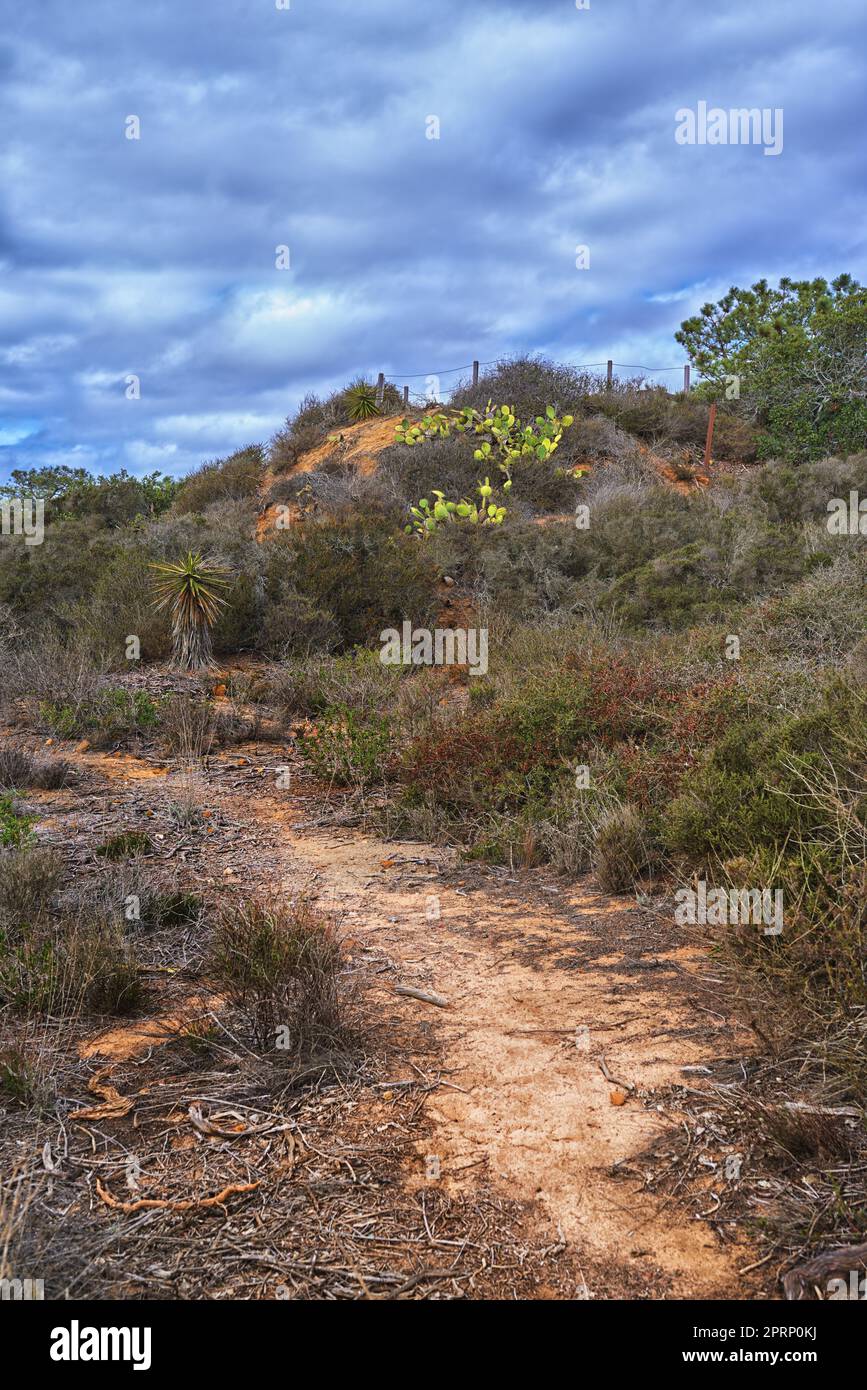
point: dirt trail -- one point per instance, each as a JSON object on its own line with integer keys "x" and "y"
{"x": 541, "y": 984}
{"x": 547, "y": 981}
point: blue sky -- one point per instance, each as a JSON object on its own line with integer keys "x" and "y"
{"x": 307, "y": 127}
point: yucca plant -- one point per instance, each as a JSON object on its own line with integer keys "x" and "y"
{"x": 361, "y": 403}
{"x": 188, "y": 589}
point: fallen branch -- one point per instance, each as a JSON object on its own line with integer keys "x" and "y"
{"x": 615, "y": 1081}
{"x": 205, "y": 1125}
{"x": 849, "y": 1111}
{"x": 115, "y": 1106}
{"x": 167, "y": 1204}
{"x": 438, "y": 999}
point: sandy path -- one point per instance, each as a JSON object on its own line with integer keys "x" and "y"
{"x": 541, "y": 983}
{"x": 544, "y": 979}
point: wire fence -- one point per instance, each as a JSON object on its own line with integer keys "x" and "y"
{"x": 434, "y": 391}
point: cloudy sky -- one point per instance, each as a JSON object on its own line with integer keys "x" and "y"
{"x": 309, "y": 127}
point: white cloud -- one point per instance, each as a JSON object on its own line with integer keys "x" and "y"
{"x": 222, "y": 428}
{"x": 142, "y": 454}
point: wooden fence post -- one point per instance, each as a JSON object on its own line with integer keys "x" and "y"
{"x": 380, "y": 388}
{"x": 610, "y": 376}
{"x": 686, "y": 377}
{"x": 406, "y": 397}
{"x": 475, "y": 373}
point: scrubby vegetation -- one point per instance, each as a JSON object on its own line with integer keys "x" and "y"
{"x": 673, "y": 687}
{"x": 282, "y": 967}
{"x": 59, "y": 955}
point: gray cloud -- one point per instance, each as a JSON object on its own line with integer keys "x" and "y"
{"x": 306, "y": 127}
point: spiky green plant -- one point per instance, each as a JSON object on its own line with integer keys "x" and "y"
{"x": 361, "y": 403}
{"x": 188, "y": 589}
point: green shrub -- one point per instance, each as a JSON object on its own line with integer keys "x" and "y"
{"x": 170, "y": 908}
{"x": 238, "y": 628}
{"x": 80, "y": 962}
{"x": 21, "y": 1079}
{"x": 31, "y": 974}
{"x": 41, "y": 581}
{"x": 650, "y": 558}
{"x": 623, "y": 852}
{"x": 295, "y": 625}
{"x": 568, "y": 832}
{"x": 124, "y": 845}
{"x": 358, "y": 680}
{"x": 120, "y": 605}
{"x": 15, "y": 827}
{"x": 151, "y": 901}
{"x": 109, "y": 716}
{"x": 523, "y": 572}
{"x": 672, "y": 590}
{"x": 667, "y": 420}
{"x": 818, "y": 619}
{"x": 516, "y": 756}
{"x": 354, "y": 577}
{"x": 106, "y": 967}
{"x": 348, "y": 748}
{"x": 792, "y": 431}
{"x": 30, "y": 875}
{"x": 788, "y": 494}
{"x": 767, "y": 782}
{"x": 222, "y": 480}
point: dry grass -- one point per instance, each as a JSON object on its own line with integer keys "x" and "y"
{"x": 621, "y": 850}
{"x": 21, "y": 768}
{"x": 29, "y": 880}
{"x": 64, "y": 670}
{"x": 282, "y": 967}
{"x": 187, "y": 728}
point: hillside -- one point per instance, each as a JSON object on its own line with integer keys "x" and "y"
{"x": 529, "y": 967}
{"x": 356, "y": 450}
